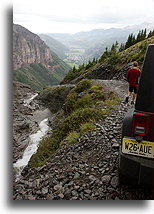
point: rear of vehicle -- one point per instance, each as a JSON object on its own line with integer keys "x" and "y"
{"x": 136, "y": 163}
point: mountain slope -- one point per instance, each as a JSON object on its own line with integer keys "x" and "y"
{"x": 54, "y": 45}
{"x": 33, "y": 61}
{"x": 135, "y": 52}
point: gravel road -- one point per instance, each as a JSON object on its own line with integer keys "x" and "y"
{"x": 87, "y": 170}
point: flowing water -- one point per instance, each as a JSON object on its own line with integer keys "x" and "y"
{"x": 41, "y": 117}
{"x": 31, "y": 148}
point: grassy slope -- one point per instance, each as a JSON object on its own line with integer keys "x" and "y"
{"x": 38, "y": 76}
{"x": 35, "y": 75}
{"x": 135, "y": 52}
{"x": 55, "y": 45}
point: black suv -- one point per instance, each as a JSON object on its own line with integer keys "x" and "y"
{"x": 136, "y": 157}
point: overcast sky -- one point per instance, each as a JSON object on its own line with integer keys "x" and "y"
{"x": 70, "y": 16}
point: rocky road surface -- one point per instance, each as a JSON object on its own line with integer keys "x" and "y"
{"x": 87, "y": 170}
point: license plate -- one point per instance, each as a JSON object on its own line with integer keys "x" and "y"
{"x": 143, "y": 149}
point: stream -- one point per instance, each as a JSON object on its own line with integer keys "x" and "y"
{"x": 41, "y": 117}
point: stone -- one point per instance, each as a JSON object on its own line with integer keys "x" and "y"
{"x": 45, "y": 190}
{"x": 81, "y": 166}
{"x": 61, "y": 195}
{"x": 114, "y": 140}
{"x": 31, "y": 198}
{"x": 87, "y": 191}
{"x": 74, "y": 198}
{"x": 115, "y": 181}
{"x": 110, "y": 137}
{"x": 92, "y": 178}
{"x": 76, "y": 187}
{"x": 49, "y": 197}
{"x": 74, "y": 193}
{"x": 67, "y": 193}
{"x": 115, "y": 145}
{"x": 57, "y": 187}
{"x": 77, "y": 175}
{"x": 106, "y": 179}
{"x": 70, "y": 183}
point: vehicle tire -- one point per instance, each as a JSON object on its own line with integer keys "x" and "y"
{"x": 122, "y": 178}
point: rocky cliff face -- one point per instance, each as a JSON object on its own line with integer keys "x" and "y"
{"x": 28, "y": 48}
{"x": 34, "y": 63}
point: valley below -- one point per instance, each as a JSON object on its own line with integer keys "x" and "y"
{"x": 86, "y": 170}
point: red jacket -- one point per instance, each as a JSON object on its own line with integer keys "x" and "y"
{"x": 133, "y": 76}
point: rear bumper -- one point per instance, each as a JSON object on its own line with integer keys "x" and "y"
{"x": 138, "y": 170}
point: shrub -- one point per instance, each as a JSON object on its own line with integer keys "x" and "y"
{"x": 112, "y": 101}
{"x": 70, "y": 101}
{"x": 73, "y": 121}
{"x": 96, "y": 88}
{"x": 46, "y": 149}
{"x": 72, "y": 137}
{"x": 83, "y": 85}
{"x": 85, "y": 101}
{"x": 74, "y": 101}
{"x": 85, "y": 127}
{"x": 113, "y": 59}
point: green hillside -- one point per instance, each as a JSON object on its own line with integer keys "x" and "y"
{"x": 135, "y": 52}
{"x": 38, "y": 76}
{"x": 55, "y": 46}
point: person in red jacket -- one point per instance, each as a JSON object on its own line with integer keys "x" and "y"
{"x": 133, "y": 80}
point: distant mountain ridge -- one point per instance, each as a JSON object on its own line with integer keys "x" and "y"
{"x": 86, "y": 38}
{"x": 95, "y": 41}
{"x": 33, "y": 61}
{"x": 54, "y": 45}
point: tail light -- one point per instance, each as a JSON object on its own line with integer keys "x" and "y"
{"x": 140, "y": 124}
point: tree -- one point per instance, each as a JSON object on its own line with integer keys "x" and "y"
{"x": 74, "y": 69}
{"x": 122, "y": 47}
{"x": 130, "y": 41}
{"x": 151, "y": 33}
{"x": 105, "y": 55}
{"x": 145, "y": 33}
